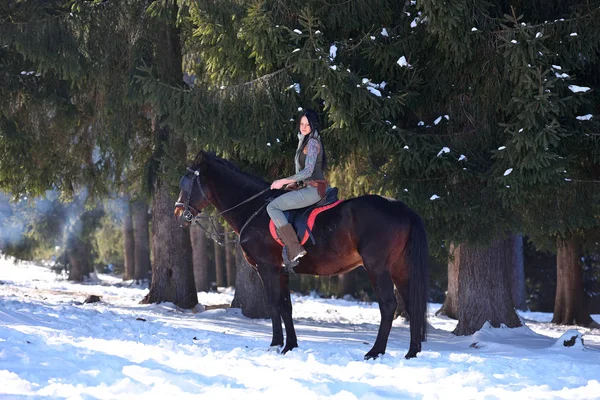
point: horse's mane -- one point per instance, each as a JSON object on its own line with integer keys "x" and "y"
{"x": 228, "y": 166}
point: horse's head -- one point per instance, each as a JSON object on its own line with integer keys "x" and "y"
{"x": 192, "y": 196}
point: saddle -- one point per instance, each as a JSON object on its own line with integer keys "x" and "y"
{"x": 303, "y": 219}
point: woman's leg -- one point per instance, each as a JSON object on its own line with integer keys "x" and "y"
{"x": 290, "y": 201}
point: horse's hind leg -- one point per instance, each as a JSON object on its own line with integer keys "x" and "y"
{"x": 402, "y": 285}
{"x": 285, "y": 303}
{"x": 384, "y": 292}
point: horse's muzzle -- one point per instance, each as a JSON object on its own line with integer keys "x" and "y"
{"x": 184, "y": 218}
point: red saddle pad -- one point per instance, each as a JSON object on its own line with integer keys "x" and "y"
{"x": 311, "y": 222}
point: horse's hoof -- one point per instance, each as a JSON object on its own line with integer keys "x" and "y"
{"x": 372, "y": 355}
{"x": 288, "y": 348}
{"x": 412, "y": 351}
{"x": 276, "y": 349}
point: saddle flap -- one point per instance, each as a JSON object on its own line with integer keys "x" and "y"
{"x": 299, "y": 218}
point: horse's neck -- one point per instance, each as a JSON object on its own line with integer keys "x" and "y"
{"x": 229, "y": 191}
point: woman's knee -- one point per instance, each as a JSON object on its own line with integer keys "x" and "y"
{"x": 272, "y": 206}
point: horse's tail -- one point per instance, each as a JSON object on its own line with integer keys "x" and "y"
{"x": 419, "y": 278}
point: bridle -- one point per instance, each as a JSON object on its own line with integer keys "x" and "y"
{"x": 191, "y": 215}
{"x": 187, "y": 185}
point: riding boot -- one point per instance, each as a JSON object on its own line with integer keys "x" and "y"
{"x": 294, "y": 250}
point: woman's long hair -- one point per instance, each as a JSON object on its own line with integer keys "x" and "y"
{"x": 313, "y": 120}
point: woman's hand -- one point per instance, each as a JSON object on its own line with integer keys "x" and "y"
{"x": 279, "y": 183}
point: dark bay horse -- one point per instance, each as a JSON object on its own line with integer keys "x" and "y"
{"x": 383, "y": 235}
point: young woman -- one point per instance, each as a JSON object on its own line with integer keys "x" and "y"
{"x": 307, "y": 186}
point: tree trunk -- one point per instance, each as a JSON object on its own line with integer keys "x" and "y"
{"x": 141, "y": 238}
{"x": 200, "y": 259}
{"x": 484, "y": 293}
{"x": 450, "y": 306}
{"x": 517, "y": 278}
{"x": 249, "y": 291}
{"x": 345, "y": 284}
{"x": 230, "y": 261}
{"x": 219, "y": 259}
{"x": 79, "y": 258}
{"x": 172, "y": 273}
{"x": 128, "y": 242}
{"x": 569, "y": 305}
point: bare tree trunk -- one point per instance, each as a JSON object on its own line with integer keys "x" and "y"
{"x": 484, "y": 293}
{"x": 172, "y": 273}
{"x": 345, "y": 284}
{"x": 517, "y": 278}
{"x": 249, "y": 291}
{"x": 569, "y": 305}
{"x": 450, "y": 306}
{"x": 79, "y": 256}
{"x": 230, "y": 261}
{"x": 141, "y": 237}
{"x": 128, "y": 242}
{"x": 200, "y": 259}
{"x": 219, "y": 259}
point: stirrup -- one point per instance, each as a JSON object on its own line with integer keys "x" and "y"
{"x": 289, "y": 265}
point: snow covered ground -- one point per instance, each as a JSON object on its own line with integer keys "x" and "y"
{"x": 52, "y": 345}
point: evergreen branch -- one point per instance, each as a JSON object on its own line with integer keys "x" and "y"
{"x": 556, "y": 22}
{"x": 257, "y": 80}
{"x": 222, "y": 89}
{"x": 583, "y": 180}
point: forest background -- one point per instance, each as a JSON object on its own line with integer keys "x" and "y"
{"x": 480, "y": 115}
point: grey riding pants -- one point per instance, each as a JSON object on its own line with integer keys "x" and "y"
{"x": 290, "y": 201}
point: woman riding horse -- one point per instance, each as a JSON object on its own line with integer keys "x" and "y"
{"x": 307, "y": 186}
{"x": 383, "y": 235}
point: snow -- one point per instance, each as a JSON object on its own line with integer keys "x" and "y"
{"x": 384, "y": 32}
{"x": 508, "y": 172}
{"x": 501, "y": 148}
{"x": 333, "y": 52}
{"x": 443, "y": 150}
{"x": 374, "y": 91}
{"x": 434, "y": 197}
{"x": 462, "y": 157}
{"x": 585, "y": 117}
{"x": 298, "y": 31}
{"x": 402, "y": 62}
{"x": 538, "y": 35}
{"x": 437, "y": 120}
{"x": 54, "y": 346}
{"x": 577, "y": 89}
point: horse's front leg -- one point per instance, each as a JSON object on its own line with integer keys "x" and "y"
{"x": 285, "y": 302}
{"x": 270, "y": 278}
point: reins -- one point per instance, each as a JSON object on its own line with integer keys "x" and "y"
{"x": 189, "y": 216}
{"x": 216, "y": 236}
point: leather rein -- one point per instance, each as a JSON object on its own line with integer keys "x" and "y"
{"x": 188, "y": 212}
